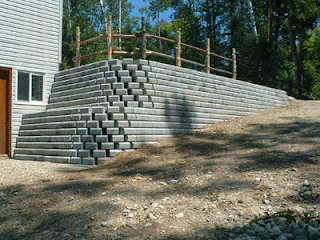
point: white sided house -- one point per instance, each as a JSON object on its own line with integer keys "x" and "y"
{"x": 30, "y": 53}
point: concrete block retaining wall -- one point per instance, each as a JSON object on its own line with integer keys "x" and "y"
{"x": 101, "y": 109}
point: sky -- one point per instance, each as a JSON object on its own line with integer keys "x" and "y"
{"x": 140, "y": 4}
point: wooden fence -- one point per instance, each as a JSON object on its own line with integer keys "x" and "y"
{"x": 143, "y": 52}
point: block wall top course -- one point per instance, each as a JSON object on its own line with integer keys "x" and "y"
{"x": 207, "y": 76}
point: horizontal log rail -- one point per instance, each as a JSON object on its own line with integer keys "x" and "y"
{"x": 143, "y": 52}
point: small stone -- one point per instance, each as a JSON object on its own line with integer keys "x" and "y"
{"x": 151, "y": 216}
{"x": 148, "y": 224}
{"x": 313, "y": 233}
{"x": 163, "y": 183}
{"x": 103, "y": 193}
{"x": 154, "y": 205}
{"x": 294, "y": 169}
{"x": 104, "y": 224}
{"x": 275, "y": 231}
{"x": 258, "y": 179}
{"x": 179, "y": 215}
{"x": 306, "y": 183}
{"x": 126, "y": 211}
{"x": 266, "y": 201}
{"x": 130, "y": 215}
{"x": 174, "y": 181}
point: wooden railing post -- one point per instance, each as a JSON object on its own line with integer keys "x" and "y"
{"x": 178, "y": 50}
{"x": 234, "y": 63}
{"x": 109, "y": 38}
{"x": 143, "y": 39}
{"x": 208, "y": 56}
{"x": 77, "y": 46}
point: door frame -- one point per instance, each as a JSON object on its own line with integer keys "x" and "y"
{"x": 9, "y": 111}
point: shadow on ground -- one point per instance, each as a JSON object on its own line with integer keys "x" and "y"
{"x": 47, "y": 212}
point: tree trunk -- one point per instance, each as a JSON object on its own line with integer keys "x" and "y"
{"x": 301, "y": 67}
{"x": 292, "y": 38}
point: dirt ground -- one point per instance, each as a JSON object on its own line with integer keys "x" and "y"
{"x": 201, "y": 186}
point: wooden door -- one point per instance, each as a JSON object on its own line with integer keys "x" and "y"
{"x": 5, "y": 111}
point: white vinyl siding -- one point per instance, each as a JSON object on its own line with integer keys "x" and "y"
{"x": 29, "y": 42}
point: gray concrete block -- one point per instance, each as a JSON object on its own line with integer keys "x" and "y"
{"x": 146, "y": 86}
{"x": 102, "y": 138}
{"x": 118, "y": 104}
{"x": 141, "y": 62}
{"x": 113, "y": 109}
{"x": 101, "y": 80}
{"x": 95, "y": 131}
{"x": 110, "y": 74}
{"x": 78, "y": 145}
{"x": 146, "y": 104}
{"x": 108, "y": 92}
{"x": 86, "y": 116}
{"x": 135, "y": 91}
{"x": 91, "y": 145}
{"x": 111, "y": 79}
{"x": 101, "y": 99}
{"x": 116, "y": 138}
{"x": 85, "y": 110}
{"x": 121, "y": 92}
{"x": 88, "y": 161}
{"x": 100, "y": 75}
{"x": 114, "y": 152}
{"x": 107, "y": 124}
{"x": 133, "y": 85}
{"x": 114, "y": 62}
{"x": 140, "y": 79}
{"x": 132, "y": 104}
{"x": 127, "y": 61}
{"x": 102, "y": 160}
{"x": 116, "y": 116}
{"x": 98, "y": 110}
{"x": 104, "y": 68}
{"x": 75, "y": 117}
{"x": 82, "y": 131}
{"x": 122, "y": 124}
{"x": 123, "y": 73}
{"x": 113, "y": 98}
{"x": 76, "y": 138}
{"x": 132, "y": 67}
{"x": 92, "y": 124}
{"x": 83, "y": 153}
{"x": 142, "y": 98}
{"x": 122, "y": 145}
{"x": 99, "y": 153}
{"x": 145, "y": 68}
{"x": 117, "y": 86}
{"x": 126, "y": 98}
{"x": 75, "y": 160}
{"x": 113, "y": 131}
{"x": 100, "y": 116}
{"x": 73, "y": 153}
{"x": 138, "y": 73}
{"x": 116, "y": 67}
{"x": 107, "y": 145}
{"x": 87, "y": 138}
{"x": 126, "y": 79}
{"x": 106, "y": 86}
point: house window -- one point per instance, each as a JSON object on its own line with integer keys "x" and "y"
{"x": 30, "y": 87}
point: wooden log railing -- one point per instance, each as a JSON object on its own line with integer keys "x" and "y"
{"x": 143, "y": 52}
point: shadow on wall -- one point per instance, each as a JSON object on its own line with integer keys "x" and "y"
{"x": 179, "y": 116}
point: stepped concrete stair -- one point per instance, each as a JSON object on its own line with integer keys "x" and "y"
{"x": 99, "y": 110}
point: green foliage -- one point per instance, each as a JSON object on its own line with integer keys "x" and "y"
{"x": 280, "y": 56}
{"x": 288, "y": 214}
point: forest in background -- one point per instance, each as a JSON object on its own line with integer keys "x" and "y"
{"x": 277, "y": 42}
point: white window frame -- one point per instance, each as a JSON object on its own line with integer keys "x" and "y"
{"x": 30, "y": 101}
